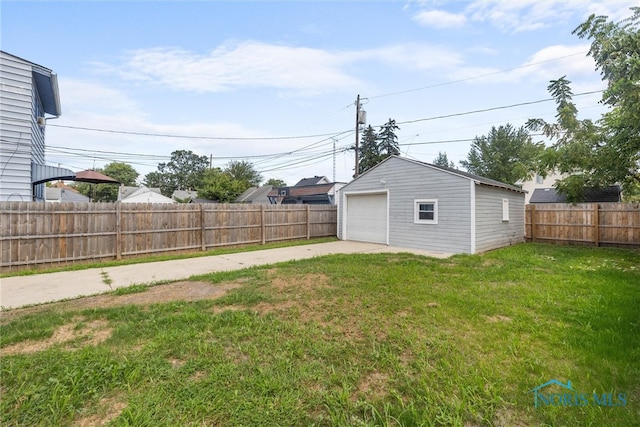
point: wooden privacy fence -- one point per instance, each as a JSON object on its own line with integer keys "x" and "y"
{"x": 57, "y": 233}
{"x": 597, "y": 224}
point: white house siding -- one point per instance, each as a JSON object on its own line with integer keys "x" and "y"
{"x": 16, "y": 127}
{"x": 37, "y": 139}
{"x": 407, "y": 181}
{"x": 491, "y": 231}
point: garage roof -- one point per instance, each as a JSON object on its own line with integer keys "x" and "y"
{"x": 478, "y": 179}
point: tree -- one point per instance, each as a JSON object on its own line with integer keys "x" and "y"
{"x": 506, "y": 154}
{"x": 226, "y": 185}
{"x": 183, "y": 172}
{"x": 276, "y": 183}
{"x": 615, "y": 48}
{"x": 369, "y": 155}
{"x": 220, "y": 185}
{"x": 443, "y": 160}
{"x": 571, "y": 154}
{"x": 121, "y": 172}
{"x": 607, "y": 152}
{"x": 375, "y": 147}
{"x": 244, "y": 171}
{"x": 388, "y": 139}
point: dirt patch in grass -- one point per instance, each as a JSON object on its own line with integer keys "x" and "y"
{"x": 301, "y": 283}
{"x": 498, "y": 318}
{"x": 374, "y": 386}
{"x": 177, "y": 291}
{"x": 108, "y": 409}
{"x": 223, "y": 308}
{"x": 77, "y": 331}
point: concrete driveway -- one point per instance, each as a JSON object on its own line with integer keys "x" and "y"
{"x": 41, "y": 288}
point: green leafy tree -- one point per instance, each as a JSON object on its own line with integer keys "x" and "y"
{"x": 443, "y": 160}
{"x": 122, "y": 172}
{"x": 276, "y": 183}
{"x": 607, "y": 152}
{"x": 375, "y": 147}
{"x": 506, "y": 154}
{"x": 244, "y": 171}
{"x": 572, "y": 153}
{"x": 220, "y": 185}
{"x": 184, "y": 171}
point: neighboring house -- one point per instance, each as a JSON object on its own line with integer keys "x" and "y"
{"x": 316, "y": 180}
{"x": 184, "y": 196}
{"x": 310, "y": 191}
{"x": 256, "y": 195}
{"x": 125, "y": 191}
{"x": 63, "y": 194}
{"x": 542, "y": 190}
{"x": 539, "y": 181}
{"x": 407, "y": 203}
{"x": 28, "y": 96}
{"x": 142, "y": 195}
{"x": 592, "y": 195}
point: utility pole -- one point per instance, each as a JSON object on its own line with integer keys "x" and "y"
{"x": 334, "y": 159}
{"x": 355, "y": 174}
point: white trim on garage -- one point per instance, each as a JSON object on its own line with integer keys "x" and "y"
{"x": 378, "y": 230}
{"x": 472, "y": 214}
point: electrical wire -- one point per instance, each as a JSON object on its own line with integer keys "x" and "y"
{"x": 504, "y": 107}
{"x": 216, "y": 138}
{"x": 473, "y": 77}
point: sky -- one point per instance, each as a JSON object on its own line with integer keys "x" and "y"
{"x": 275, "y": 82}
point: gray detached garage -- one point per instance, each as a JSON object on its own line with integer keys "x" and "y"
{"x": 407, "y": 203}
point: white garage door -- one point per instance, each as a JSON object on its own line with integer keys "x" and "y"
{"x": 367, "y": 218}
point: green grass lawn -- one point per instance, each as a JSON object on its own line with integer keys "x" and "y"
{"x": 378, "y": 339}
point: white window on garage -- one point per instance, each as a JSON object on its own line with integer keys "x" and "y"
{"x": 425, "y": 211}
{"x": 505, "y": 210}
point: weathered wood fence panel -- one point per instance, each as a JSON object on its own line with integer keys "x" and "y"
{"x": 593, "y": 224}
{"x": 59, "y": 233}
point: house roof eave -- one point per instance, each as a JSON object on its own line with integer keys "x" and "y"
{"x": 47, "y": 84}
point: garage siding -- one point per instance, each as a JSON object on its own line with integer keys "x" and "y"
{"x": 452, "y": 232}
{"x": 407, "y": 181}
{"x": 491, "y": 231}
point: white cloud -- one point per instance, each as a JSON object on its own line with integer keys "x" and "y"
{"x": 92, "y": 105}
{"x": 524, "y": 15}
{"x": 547, "y": 64}
{"x": 76, "y": 95}
{"x": 573, "y": 62}
{"x": 440, "y": 19}
{"x": 238, "y": 65}
{"x": 413, "y": 56}
{"x": 250, "y": 64}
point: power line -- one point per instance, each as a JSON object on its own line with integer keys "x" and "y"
{"x": 473, "y": 77}
{"x": 492, "y": 108}
{"x": 305, "y": 157}
{"x": 223, "y": 138}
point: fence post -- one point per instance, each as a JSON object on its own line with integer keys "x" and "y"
{"x": 596, "y": 224}
{"x": 308, "y": 222}
{"x": 533, "y": 225}
{"x": 203, "y": 242}
{"x": 118, "y": 231}
{"x": 263, "y": 226}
